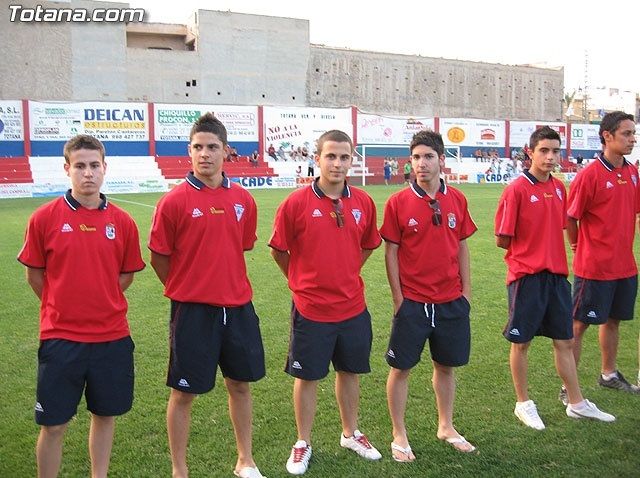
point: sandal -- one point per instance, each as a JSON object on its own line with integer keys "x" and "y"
{"x": 405, "y": 451}
{"x": 460, "y": 443}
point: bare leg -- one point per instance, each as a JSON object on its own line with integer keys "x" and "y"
{"x": 100, "y": 443}
{"x": 519, "y": 364}
{"x": 564, "y": 354}
{"x": 49, "y": 450}
{"x": 240, "y": 412}
{"x": 178, "y": 423}
{"x": 397, "y": 392}
{"x": 305, "y": 398}
{"x": 444, "y": 386}
{"x": 579, "y": 328}
{"x": 348, "y": 397}
{"x": 609, "y": 337}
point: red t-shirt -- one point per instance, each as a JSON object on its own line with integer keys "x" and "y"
{"x": 205, "y": 232}
{"x": 533, "y": 214}
{"x": 83, "y": 252}
{"x": 605, "y": 201}
{"x": 428, "y": 254}
{"x": 325, "y": 259}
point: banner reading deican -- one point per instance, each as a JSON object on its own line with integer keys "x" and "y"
{"x": 105, "y": 121}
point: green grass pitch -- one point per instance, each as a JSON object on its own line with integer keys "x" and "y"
{"x": 484, "y": 403}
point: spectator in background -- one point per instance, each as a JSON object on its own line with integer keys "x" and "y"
{"x": 407, "y": 172}
{"x": 387, "y": 171}
{"x": 394, "y": 166}
{"x": 253, "y": 159}
{"x": 281, "y": 154}
{"x": 271, "y": 151}
{"x": 310, "y": 166}
{"x": 293, "y": 155}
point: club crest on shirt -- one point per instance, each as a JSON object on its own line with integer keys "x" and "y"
{"x": 451, "y": 220}
{"x": 634, "y": 179}
{"x": 110, "y": 231}
{"x": 357, "y": 215}
{"x": 559, "y": 193}
{"x": 239, "y": 208}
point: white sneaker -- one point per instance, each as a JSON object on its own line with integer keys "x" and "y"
{"x": 360, "y": 444}
{"x": 249, "y": 472}
{"x": 527, "y": 412}
{"x": 589, "y": 410}
{"x": 298, "y": 461}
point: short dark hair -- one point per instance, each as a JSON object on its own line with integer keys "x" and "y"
{"x": 611, "y": 122}
{"x": 430, "y": 138}
{"x": 333, "y": 135}
{"x": 82, "y": 141}
{"x": 208, "y": 123}
{"x": 545, "y": 132}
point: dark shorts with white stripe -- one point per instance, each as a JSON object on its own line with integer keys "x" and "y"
{"x": 313, "y": 345}
{"x": 539, "y": 304}
{"x": 203, "y": 337}
{"x": 445, "y": 326}
{"x": 596, "y": 301}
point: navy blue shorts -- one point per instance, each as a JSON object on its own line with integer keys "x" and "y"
{"x": 313, "y": 345}
{"x": 203, "y": 337}
{"x": 596, "y": 301}
{"x": 539, "y": 304}
{"x": 102, "y": 370}
{"x": 446, "y": 327}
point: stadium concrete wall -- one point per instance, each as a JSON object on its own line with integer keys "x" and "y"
{"x": 254, "y": 59}
{"x": 403, "y": 84}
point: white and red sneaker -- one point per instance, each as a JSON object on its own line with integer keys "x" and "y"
{"x": 361, "y": 445}
{"x": 298, "y": 461}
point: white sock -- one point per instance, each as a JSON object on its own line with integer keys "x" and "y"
{"x": 579, "y": 406}
{"x": 609, "y": 376}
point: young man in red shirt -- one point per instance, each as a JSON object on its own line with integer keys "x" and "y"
{"x": 427, "y": 224}
{"x": 604, "y": 200}
{"x": 532, "y": 207}
{"x": 81, "y": 253}
{"x": 322, "y": 236}
{"x": 199, "y": 233}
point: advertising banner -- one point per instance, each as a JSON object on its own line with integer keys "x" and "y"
{"x": 520, "y": 131}
{"x": 173, "y": 122}
{"x": 105, "y": 121}
{"x": 11, "y": 127}
{"x": 266, "y": 182}
{"x": 472, "y": 132}
{"x": 15, "y": 190}
{"x": 376, "y": 129}
{"x": 585, "y": 136}
{"x": 299, "y": 127}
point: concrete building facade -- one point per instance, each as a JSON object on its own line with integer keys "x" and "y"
{"x": 232, "y": 58}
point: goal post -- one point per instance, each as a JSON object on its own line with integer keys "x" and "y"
{"x": 364, "y": 151}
